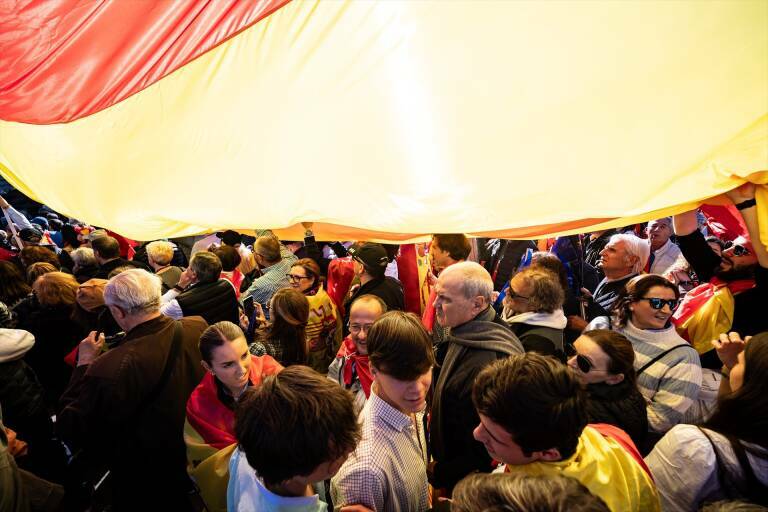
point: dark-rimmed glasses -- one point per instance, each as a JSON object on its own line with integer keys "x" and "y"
{"x": 294, "y": 277}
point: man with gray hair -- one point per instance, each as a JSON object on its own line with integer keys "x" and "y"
{"x": 665, "y": 254}
{"x": 125, "y": 408}
{"x": 475, "y": 337}
{"x": 623, "y": 257}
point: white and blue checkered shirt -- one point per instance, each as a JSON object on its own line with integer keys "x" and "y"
{"x": 388, "y": 470}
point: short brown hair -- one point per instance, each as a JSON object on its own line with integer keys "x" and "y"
{"x": 457, "y": 246}
{"x": 35, "y": 253}
{"x": 295, "y": 421}
{"x": 229, "y": 256}
{"x": 634, "y": 290}
{"x": 206, "y": 266}
{"x": 546, "y": 295}
{"x": 536, "y": 399}
{"x": 56, "y": 288}
{"x": 106, "y": 247}
{"x": 35, "y": 270}
{"x": 268, "y": 247}
{"x": 398, "y": 345}
{"x": 523, "y": 493}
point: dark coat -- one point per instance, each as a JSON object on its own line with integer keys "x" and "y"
{"x": 145, "y": 453}
{"x": 454, "y": 418}
{"x": 621, "y": 405}
{"x": 56, "y": 335}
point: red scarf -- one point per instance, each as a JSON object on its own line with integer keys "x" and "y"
{"x": 355, "y": 363}
{"x": 213, "y": 420}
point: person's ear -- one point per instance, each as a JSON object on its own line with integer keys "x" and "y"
{"x": 548, "y": 455}
{"x": 614, "y": 379}
{"x": 206, "y": 366}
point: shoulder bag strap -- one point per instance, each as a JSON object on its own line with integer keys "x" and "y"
{"x": 655, "y": 359}
{"x": 721, "y": 469}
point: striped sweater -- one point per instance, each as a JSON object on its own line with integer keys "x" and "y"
{"x": 672, "y": 383}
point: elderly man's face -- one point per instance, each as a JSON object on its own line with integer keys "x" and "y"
{"x": 614, "y": 259}
{"x": 452, "y": 308}
{"x": 659, "y": 232}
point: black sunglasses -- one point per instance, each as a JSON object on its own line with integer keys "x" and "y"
{"x": 582, "y": 362}
{"x": 740, "y": 250}
{"x": 657, "y": 303}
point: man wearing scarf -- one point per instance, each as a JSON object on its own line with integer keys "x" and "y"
{"x": 476, "y": 336}
{"x": 350, "y": 368}
{"x": 734, "y": 290}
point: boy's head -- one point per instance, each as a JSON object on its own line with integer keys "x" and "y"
{"x": 531, "y": 407}
{"x": 401, "y": 358}
{"x": 296, "y": 425}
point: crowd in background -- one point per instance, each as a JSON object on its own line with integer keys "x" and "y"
{"x": 620, "y": 370}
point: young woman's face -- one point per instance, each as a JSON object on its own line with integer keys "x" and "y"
{"x": 645, "y": 316}
{"x": 231, "y": 363}
{"x": 589, "y": 356}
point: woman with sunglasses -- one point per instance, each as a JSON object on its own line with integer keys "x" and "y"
{"x": 726, "y": 458}
{"x": 604, "y": 361}
{"x": 667, "y": 366}
{"x": 324, "y": 323}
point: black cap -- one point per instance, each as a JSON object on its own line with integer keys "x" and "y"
{"x": 31, "y": 235}
{"x": 230, "y": 237}
{"x": 372, "y": 256}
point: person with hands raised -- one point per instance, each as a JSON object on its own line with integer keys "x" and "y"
{"x": 726, "y": 458}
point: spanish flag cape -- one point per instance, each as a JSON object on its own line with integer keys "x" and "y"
{"x": 209, "y": 433}
{"x": 607, "y": 463}
{"x": 707, "y": 311}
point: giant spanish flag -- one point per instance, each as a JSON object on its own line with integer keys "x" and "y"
{"x": 385, "y": 120}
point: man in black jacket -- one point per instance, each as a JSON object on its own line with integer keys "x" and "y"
{"x": 200, "y": 292}
{"x": 370, "y": 263}
{"x": 476, "y": 337}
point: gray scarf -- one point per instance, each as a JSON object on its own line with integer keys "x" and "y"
{"x": 481, "y": 333}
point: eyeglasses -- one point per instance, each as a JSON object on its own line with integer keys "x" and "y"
{"x": 740, "y": 250}
{"x": 513, "y": 295}
{"x": 294, "y": 277}
{"x": 657, "y": 303}
{"x": 582, "y": 362}
{"x": 356, "y": 328}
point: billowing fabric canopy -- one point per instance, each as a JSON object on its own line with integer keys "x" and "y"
{"x": 382, "y": 120}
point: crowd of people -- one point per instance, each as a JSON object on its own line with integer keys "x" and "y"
{"x": 620, "y": 370}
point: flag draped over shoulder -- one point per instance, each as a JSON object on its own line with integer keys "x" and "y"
{"x": 382, "y": 120}
{"x": 209, "y": 433}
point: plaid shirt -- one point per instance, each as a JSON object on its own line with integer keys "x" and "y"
{"x": 272, "y": 279}
{"x": 388, "y": 470}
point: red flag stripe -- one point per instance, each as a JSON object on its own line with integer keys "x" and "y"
{"x": 66, "y": 59}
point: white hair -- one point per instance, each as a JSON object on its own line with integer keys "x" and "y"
{"x": 83, "y": 256}
{"x": 475, "y": 280}
{"x": 134, "y": 291}
{"x": 634, "y": 246}
{"x": 160, "y": 251}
